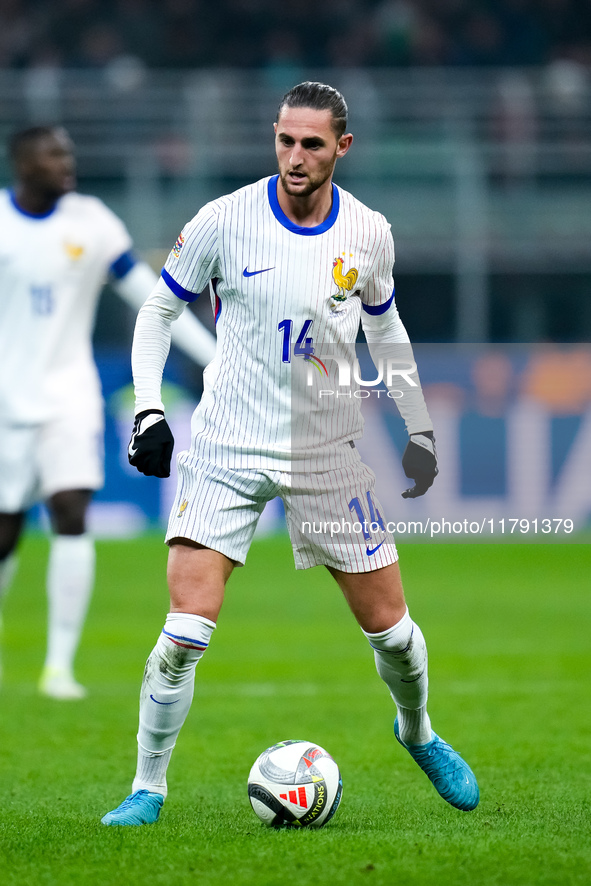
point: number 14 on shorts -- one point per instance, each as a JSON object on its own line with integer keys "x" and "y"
{"x": 375, "y": 521}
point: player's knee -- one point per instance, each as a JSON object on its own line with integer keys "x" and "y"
{"x": 10, "y": 529}
{"x": 5, "y": 551}
{"x": 67, "y": 511}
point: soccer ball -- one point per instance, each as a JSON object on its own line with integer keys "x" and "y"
{"x": 295, "y": 784}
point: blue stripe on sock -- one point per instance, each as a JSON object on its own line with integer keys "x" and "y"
{"x": 198, "y": 643}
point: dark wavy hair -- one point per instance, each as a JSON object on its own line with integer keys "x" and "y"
{"x": 319, "y": 97}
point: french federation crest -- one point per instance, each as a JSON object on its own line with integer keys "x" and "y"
{"x": 344, "y": 282}
{"x": 73, "y": 251}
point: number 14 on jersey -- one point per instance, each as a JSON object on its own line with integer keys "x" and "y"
{"x": 304, "y": 346}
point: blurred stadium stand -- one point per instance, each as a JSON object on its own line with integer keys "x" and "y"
{"x": 484, "y": 173}
{"x": 265, "y": 33}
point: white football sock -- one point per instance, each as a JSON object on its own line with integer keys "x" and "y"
{"x": 151, "y": 771}
{"x": 70, "y": 579}
{"x": 166, "y": 695}
{"x": 7, "y": 573}
{"x": 401, "y": 660}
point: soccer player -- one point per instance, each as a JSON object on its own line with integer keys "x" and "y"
{"x": 57, "y": 247}
{"x": 277, "y": 254}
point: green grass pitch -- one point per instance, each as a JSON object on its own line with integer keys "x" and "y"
{"x": 508, "y": 635}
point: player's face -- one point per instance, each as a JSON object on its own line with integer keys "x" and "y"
{"x": 307, "y": 149}
{"x": 49, "y": 166}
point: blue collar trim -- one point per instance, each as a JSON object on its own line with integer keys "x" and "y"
{"x": 34, "y": 215}
{"x": 298, "y": 229}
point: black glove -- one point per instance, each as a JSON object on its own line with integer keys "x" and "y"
{"x": 151, "y": 444}
{"x": 420, "y": 463}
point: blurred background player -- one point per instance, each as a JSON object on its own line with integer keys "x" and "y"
{"x": 57, "y": 249}
{"x": 270, "y": 248}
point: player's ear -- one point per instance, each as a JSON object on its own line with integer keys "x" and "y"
{"x": 344, "y": 144}
{"x": 275, "y": 128}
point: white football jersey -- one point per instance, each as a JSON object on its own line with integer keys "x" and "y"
{"x": 52, "y": 268}
{"x": 281, "y": 294}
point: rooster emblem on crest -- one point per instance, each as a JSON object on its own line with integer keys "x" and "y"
{"x": 344, "y": 282}
{"x": 73, "y": 251}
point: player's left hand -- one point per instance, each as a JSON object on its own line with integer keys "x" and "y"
{"x": 151, "y": 444}
{"x": 420, "y": 463}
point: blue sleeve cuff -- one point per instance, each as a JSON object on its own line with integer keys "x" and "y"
{"x": 379, "y": 309}
{"x": 123, "y": 265}
{"x": 178, "y": 290}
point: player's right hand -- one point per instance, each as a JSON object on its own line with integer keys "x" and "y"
{"x": 151, "y": 444}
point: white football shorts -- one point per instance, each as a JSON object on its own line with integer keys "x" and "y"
{"x": 333, "y": 516}
{"x": 37, "y": 461}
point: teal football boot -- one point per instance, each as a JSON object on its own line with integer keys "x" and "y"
{"x": 141, "y": 807}
{"x": 451, "y": 776}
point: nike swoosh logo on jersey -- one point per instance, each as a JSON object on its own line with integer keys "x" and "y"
{"x": 247, "y": 273}
{"x": 373, "y": 550}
